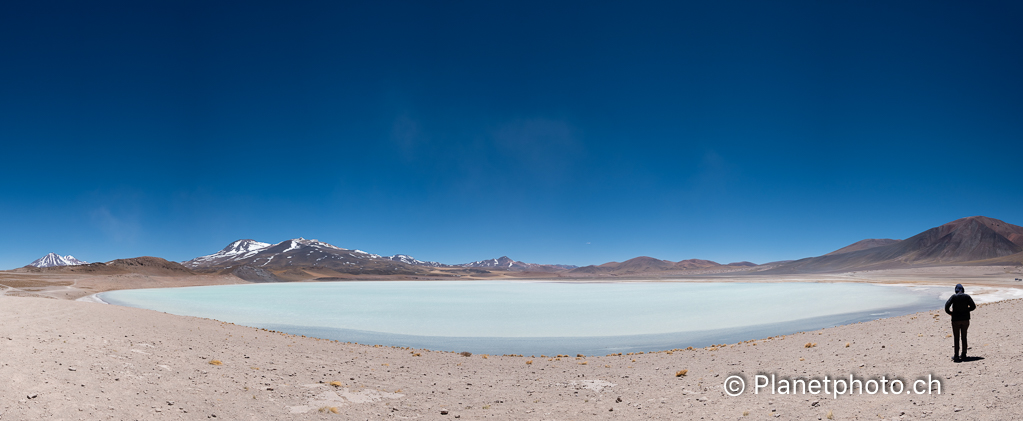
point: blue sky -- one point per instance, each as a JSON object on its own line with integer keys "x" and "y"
{"x": 551, "y": 132}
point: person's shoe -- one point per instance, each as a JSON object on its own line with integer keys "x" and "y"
{"x": 955, "y": 358}
{"x": 962, "y": 357}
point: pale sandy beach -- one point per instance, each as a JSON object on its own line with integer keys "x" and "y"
{"x": 65, "y": 359}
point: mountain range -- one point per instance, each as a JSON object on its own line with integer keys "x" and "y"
{"x": 300, "y": 254}
{"x": 975, "y": 240}
{"x": 300, "y": 258}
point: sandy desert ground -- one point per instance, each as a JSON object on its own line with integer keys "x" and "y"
{"x": 64, "y": 359}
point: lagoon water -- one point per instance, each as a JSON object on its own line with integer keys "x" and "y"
{"x": 526, "y": 317}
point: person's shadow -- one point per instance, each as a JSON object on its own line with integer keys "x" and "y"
{"x": 970, "y": 359}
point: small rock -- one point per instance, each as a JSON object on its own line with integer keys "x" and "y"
{"x": 72, "y": 369}
{"x": 443, "y": 411}
{"x": 170, "y": 403}
{"x": 33, "y": 396}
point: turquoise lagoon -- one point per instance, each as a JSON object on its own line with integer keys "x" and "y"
{"x": 537, "y": 317}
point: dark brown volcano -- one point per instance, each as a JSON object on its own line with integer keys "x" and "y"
{"x": 962, "y": 241}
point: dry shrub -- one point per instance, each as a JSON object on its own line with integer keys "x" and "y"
{"x": 336, "y": 383}
{"x": 681, "y": 373}
{"x": 216, "y": 362}
{"x": 528, "y": 362}
{"x": 809, "y": 345}
{"x": 745, "y": 413}
{"x": 847, "y": 344}
{"x": 830, "y": 415}
{"x": 580, "y": 355}
{"x": 465, "y": 354}
{"x": 417, "y": 355}
{"x": 334, "y": 410}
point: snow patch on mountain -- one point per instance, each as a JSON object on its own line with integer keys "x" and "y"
{"x": 238, "y": 250}
{"x": 409, "y": 260}
{"x": 54, "y": 260}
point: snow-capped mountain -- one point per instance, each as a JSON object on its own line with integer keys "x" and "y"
{"x": 237, "y": 250}
{"x": 300, "y": 253}
{"x": 409, "y": 260}
{"x": 503, "y": 262}
{"x": 54, "y": 259}
{"x": 506, "y": 263}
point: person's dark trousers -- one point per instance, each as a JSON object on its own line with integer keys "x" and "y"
{"x": 959, "y": 329}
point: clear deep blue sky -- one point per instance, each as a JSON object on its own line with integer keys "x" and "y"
{"x": 551, "y": 132}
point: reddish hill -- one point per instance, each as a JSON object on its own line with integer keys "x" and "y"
{"x": 644, "y": 264}
{"x": 863, "y": 245}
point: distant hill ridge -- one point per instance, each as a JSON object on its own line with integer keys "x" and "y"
{"x": 145, "y": 265}
{"x": 975, "y": 240}
{"x": 645, "y": 264}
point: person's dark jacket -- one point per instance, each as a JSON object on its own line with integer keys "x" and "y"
{"x": 961, "y": 304}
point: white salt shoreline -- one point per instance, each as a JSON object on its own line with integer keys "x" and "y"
{"x": 92, "y": 298}
{"x": 980, "y": 294}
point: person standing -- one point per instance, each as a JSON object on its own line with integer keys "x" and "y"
{"x": 959, "y": 306}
